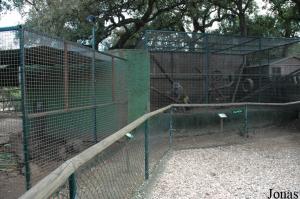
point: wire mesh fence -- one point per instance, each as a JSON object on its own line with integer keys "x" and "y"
{"x": 57, "y": 98}
{"x": 117, "y": 172}
{"x": 210, "y": 68}
{"x": 11, "y": 152}
{"x": 220, "y": 124}
{"x": 159, "y": 139}
{"x": 120, "y": 170}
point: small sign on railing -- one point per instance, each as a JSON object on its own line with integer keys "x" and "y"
{"x": 129, "y": 135}
{"x": 237, "y": 111}
{"x": 222, "y": 115}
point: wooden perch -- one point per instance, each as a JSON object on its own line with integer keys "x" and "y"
{"x": 270, "y": 84}
{"x": 162, "y": 69}
{"x": 221, "y": 87}
{"x": 163, "y": 94}
{"x": 239, "y": 78}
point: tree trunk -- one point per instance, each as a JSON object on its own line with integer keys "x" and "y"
{"x": 242, "y": 24}
{"x": 288, "y": 30}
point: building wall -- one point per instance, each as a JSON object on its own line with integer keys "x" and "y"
{"x": 287, "y": 66}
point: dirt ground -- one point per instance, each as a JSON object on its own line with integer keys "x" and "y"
{"x": 12, "y": 185}
{"x": 229, "y": 166}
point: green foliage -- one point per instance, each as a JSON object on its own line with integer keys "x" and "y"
{"x": 120, "y": 23}
{"x": 5, "y": 5}
{"x": 263, "y": 25}
{"x": 287, "y": 14}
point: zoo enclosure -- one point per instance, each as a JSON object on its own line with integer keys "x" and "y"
{"x": 68, "y": 97}
{"x": 56, "y": 99}
{"x": 212, "y": 68}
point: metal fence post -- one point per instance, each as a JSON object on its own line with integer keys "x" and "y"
{"x": 171, "y": 128}
{"x": 206, "y": 68}
{"x": 113, "y": 79}
{"x": 260, "y": 70}
{"x": 146, "y": 132}
{"x": 246, "y": 119}
{"x": 66, "y": 76}
{"x": 24, "y": 109}
{"x": 94, "y": 86}
{"x": 72, "y": 186}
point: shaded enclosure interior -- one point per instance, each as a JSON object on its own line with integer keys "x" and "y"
{"x": 209, "y": 68}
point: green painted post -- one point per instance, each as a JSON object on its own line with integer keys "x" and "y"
{"x": 146, "y": 132}
{"x": 206, "y": 68}
{"x": 260, "y": 70}
{"x": 72, "y": 186}
{"x": 246, "y": 119}
{"x": 171, "y": 128}
{"x": 268, "y": 56}
{"x": 24, "y": 110}
{"x": 94, "y": 84}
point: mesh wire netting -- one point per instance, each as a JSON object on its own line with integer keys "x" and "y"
{"x": 67, "y": 89}
{"x": 120, "y": 170}
{"x": 115, "y": 173}
{"x": 73, "y": 97}
{"x": 159, "y": 139}
{"x": 209, "y": 68}
{"x": 69, "y": 97}
{"x": 211, "y": 126}
{"x": 11, "y": 151}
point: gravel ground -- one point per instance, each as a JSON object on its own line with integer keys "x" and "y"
{"x": 244, "y": 170}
